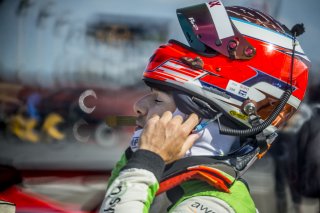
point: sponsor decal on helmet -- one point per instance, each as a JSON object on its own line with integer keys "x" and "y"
{"x": 237, "y": 89}
{"x": 238, "y": 115}
{"x": 216, "y": 91}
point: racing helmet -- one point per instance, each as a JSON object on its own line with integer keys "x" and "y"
{"x": 240, "y": 63}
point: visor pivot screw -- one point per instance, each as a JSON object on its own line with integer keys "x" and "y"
{"x": 232, "y": 45}
{"x": 249, "y": 108}
{"x": 249, "y": 52}
{"x": 218, "y": 69}
{"x": 218, "y": 42}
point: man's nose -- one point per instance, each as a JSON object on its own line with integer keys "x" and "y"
{"x": 140, "y": 107}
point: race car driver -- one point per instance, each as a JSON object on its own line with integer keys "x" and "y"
{"x": 244, "y": 74}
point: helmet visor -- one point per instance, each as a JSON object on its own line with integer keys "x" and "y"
{"x": 208, "y": 25}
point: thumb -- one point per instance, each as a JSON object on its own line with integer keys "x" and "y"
{"x": 191, "y": 139}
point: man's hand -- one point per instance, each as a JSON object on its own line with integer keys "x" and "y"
{"x": 169, "y": 136}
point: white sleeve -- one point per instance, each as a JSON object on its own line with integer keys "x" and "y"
{"x": 132, "y": 191}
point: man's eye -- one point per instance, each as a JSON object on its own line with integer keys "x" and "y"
{"x": 157, "y": 101}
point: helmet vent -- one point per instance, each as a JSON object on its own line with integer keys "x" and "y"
{"x": 195, "y": 63}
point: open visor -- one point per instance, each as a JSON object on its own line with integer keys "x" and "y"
{"x": 208, "y": 25}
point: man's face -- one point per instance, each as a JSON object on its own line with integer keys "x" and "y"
{"x": 155, "y": 102}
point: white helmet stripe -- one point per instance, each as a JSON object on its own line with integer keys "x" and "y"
{"x": 175, "y": 73}
{"x": 264, "y": 34}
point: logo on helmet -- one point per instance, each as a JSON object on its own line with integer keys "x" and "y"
{"x": 214, "y": 3}
{"x": 193, "y": 23}
{"x": 238, "y": 115}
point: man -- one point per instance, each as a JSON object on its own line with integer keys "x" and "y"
{"x": 239, "y": 77}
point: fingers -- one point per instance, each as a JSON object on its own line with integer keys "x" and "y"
{"x": 169, "y": 136}
{"x": 173, "y": 123}
{"x": 150, "y": 125}
{"x": 189, "y": 143}
{"x": 190, "y": 123}
{"x": 177, "y": 120}
{"x": 166, "y": 117}
{"x": 154, "y": 119}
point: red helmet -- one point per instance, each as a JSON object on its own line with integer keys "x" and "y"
{"x": 239, "y": 59}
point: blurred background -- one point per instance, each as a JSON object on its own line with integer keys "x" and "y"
{"x": 67, "y": 66}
